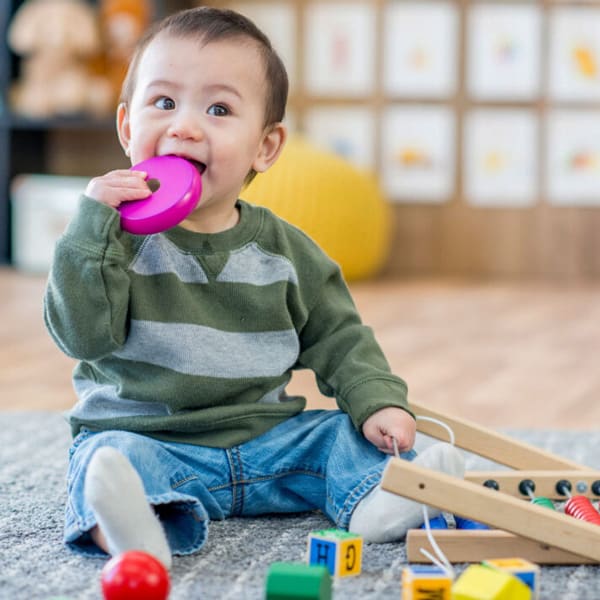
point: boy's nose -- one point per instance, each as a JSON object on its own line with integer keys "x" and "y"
{"x": 185, "y": 126}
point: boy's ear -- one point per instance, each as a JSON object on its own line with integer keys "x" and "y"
{"x": 271, "y": 147}
{"x": 123, "y": 128}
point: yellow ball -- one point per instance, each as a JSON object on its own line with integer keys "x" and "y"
{"x": 336, "y": 204}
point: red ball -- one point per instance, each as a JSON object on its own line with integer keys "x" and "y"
{"x": 135, "y": 575}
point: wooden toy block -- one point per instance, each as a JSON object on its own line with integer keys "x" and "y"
{"x": 426, "y": 583}
{"x": 482, "y": 583}
{"x": 492, "y": 508}
{"x": 339, "y": 551}
{"x": 296, "y": 581}
{"x": 527, "y": 572}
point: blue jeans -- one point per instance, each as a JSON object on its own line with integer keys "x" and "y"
{"x": 315, "y": 460}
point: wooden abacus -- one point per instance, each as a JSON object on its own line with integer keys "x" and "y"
{"x": 497, "y": 499}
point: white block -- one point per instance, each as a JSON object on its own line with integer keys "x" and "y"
{"x": 42, "y": 206}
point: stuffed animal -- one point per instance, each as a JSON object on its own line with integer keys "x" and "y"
{"x": 56, "y": 39}
{"x": 122, "y": 23}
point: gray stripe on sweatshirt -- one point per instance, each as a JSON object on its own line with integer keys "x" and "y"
{"x": 101, "y": 401}
{"x": 158, "y": 256}
{"x": 251, "y": 264}
{"x": 208, "y": 352}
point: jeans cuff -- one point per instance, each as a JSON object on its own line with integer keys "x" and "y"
{"x": 184, "y": 520}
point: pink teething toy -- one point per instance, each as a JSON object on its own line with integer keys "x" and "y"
{"x": 176, "y": 185}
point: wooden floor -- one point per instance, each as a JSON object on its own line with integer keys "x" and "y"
{"x": 503, "y": 355}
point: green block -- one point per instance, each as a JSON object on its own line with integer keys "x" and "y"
{"x": 296, "y": 581}
{"x": 335, "y": 534}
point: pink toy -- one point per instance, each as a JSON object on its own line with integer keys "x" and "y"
{"x": 177, "y": 186}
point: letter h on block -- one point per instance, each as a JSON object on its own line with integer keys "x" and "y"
{"x": 339, "y": 551}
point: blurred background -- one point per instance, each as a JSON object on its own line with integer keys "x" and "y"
{"x": 478, "y": 119}
{"x": 455, "y": 142}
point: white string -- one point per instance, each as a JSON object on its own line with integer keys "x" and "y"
{"x": 440, "y": 560}
{"x": 441, "y": 424}
{"x": 443, "y": 562}
{"x": 395, "y": 444}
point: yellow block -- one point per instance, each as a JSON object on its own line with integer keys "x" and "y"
{"x": 527, "y": 572}
{"x": 350, "y": 559}
{"x": 482, "y": 583}
{"x": 339, "y": 206}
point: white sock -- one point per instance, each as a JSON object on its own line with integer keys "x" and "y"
{"x": 382, "y": 516}
{"x": 115, "y": 492}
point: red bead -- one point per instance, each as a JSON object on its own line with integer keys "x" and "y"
{"x": 581, "y": 507}
{"x": 135, "y": 575}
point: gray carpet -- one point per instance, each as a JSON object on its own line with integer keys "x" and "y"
{"x": 35, "y": 565}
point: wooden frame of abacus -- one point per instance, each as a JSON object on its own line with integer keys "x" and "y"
{"x": 521, "y": 529}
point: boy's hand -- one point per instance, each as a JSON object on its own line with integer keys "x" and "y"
{"x": 118, "y": 186}
{"x": 388, "y": 423}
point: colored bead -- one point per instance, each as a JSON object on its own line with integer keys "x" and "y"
{"x": 545, "y": 502}
{"x": 582, "y": 508}
{"x": 438, "y": 522}
{"x": 469, "y": 524}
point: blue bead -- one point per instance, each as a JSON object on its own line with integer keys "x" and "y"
{"x": 437, "y": 523}
{"x": 468, "y": 524}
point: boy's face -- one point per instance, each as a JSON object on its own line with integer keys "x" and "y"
{"x": 205, "y": 103}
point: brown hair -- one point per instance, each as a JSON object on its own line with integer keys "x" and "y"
{"x": 211, "y": 24}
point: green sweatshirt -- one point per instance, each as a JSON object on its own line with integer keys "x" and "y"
{"x": 193, "y": 337}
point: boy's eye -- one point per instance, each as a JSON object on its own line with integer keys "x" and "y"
{"x": 218, "y": 110}
{"x": 165, "y": 103}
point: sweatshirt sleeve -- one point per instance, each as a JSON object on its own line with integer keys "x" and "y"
{"x": 345, "y": 356}
{"x": 87, "y": 294}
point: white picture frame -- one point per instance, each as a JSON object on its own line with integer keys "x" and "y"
{"x": 417, "y": 153}
{"x": 572, "y": 160}
{"x": 500, "y": 157}
{"x": 574, "y": 54}
{"x": 420, "y": 49}
{"x": 339, "y": 48}
{"x": 278, "y": 21}
{"x": 504, "y": 44}
{"x": 348, "y": 131}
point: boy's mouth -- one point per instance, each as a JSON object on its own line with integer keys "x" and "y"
{"x": 200, "y": 166}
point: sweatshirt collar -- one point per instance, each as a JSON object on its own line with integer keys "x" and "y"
{"x": 209, "y": 243}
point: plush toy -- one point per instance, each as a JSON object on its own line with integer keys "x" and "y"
{"x": 56, "y": 39}
{"x": 340, "y": 206}
{"x": 122, "y": 23}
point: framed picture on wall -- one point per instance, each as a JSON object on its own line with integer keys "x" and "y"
{"x": 347, "y": 131}
{"x": 573, "y": 157}
{"x": 420, "y": 49}
{"x": 417, "y": 157}
{"x": 575, "y": 54}
{"x": 500, "y": 164}
{"x": 504, "y": 51}
{"x": 278, "y": 21}
{"x": 339, "y": 48}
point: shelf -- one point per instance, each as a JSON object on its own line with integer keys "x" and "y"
{"x": 76, "y": 122}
